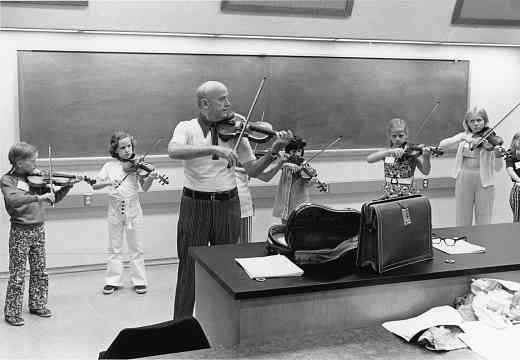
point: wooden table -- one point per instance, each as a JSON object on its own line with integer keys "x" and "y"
{"x": 234, "y": 309}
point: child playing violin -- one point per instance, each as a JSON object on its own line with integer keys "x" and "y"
{"x": 399, "y": 167}
{"x": 24, "y": 204}
{"x": 513, "y": 169}
{"x": 294, "y": 183}
{"x": 247, "y": 208}
{"x": 125, "y": 215}
{"x": 474, "y": 170}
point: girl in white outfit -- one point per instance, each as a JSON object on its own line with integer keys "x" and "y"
{"x": 125, "y": 215}
{"x": 474, "y": 170}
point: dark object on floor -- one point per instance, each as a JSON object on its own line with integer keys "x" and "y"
{"x": 162, "y": 338}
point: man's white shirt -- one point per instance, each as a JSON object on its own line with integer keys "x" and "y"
{"x": 204, "y": 173}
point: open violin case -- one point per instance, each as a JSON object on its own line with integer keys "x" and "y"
{"x": 317, "y": 238}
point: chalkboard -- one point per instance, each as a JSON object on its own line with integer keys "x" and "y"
{"x": 75, "y": 100}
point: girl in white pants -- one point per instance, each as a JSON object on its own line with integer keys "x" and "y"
{"x": 474, "y": 170}
{"x": 125, "y": 215}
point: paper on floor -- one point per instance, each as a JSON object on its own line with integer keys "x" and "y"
{"x": 492, "y": 344}
{"x": 440, "y": 315}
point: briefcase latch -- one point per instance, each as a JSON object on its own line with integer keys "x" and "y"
{"x": 405, "y": 213}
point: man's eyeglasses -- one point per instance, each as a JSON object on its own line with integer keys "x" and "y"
{"x": 451, "y": 241}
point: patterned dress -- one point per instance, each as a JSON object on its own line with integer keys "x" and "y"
{"x": 399, "y": 176}
{"x": 293, "y": 190}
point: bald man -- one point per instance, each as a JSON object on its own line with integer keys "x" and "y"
{"x": 210, "y": 207}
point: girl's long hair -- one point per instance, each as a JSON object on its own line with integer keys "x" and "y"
{"x": 515, "y": 145}
{"x": 114, "y": 142}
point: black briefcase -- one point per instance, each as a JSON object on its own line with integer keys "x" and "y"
{"x": 316, "y": 234}
{"x": 395, "y": 232}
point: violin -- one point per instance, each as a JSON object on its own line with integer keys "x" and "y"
{"x": 240, "y": 134}
{"x": 488, "y": 139}
{"x": 141, "y": 168}
{"x": 307, "y": 172}
{"x": 416, "y": 150}
{"x": 258, "y": 132}
{"x": 41, "y": 179}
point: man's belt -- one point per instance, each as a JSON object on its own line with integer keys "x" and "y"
{"x": 203, "y": 195}
{"x": 400, "y": 181}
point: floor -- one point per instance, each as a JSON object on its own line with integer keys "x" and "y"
{"x": 84, "y": 320}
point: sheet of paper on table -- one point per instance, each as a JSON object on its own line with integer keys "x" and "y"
{"x": 269, "y": 266}
{"x": 460, "y": 247}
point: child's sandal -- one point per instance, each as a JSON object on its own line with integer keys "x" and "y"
{"x": 44, "y": 312}
{"x": 14, "y": 320}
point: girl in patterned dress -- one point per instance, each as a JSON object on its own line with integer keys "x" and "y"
{"x": 399, "y": 167}
{"x": 293, "y": 188}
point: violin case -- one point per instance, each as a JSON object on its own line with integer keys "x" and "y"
{"x": 316, "y": 235}
{"x": 395, "y": 232}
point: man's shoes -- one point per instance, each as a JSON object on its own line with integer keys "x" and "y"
{"x": 14, "y": 320}
{"x": 43, "y": 312}
{"x": 140, "y": 289}
{"x": 109, "y": 289}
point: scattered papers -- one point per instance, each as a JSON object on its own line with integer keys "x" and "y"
{"x": 442, "y": 338}
{"x": 492, "y": 344}
{"x": 269, "y": 266}
{"x": 460, "y": 247}
{"x": 496, "y": 302}
{"x": 440, "y": 315}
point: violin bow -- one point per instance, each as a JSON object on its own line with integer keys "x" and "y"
{"x": 242, "y": 132}
{"x": 154, "y": 145}
{"x": 323, "y": 149}
{"x": 437, "y": 103}
{"x": 487, "y": 133}
{"x": 50, "y": 175}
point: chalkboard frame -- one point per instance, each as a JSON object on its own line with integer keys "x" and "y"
{"x": 344, "y": 153}
{"x": 259, "y": 8}
{"x": 459, "y": 19}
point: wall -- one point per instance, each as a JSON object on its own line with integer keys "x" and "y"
{"x": 78, "y": 236}
{"x": 371, "y": 19}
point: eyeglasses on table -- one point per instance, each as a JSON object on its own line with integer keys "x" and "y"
{"x": 448, "y": 241}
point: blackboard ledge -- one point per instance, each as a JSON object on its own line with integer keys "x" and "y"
{"x": 444, "y": 185}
